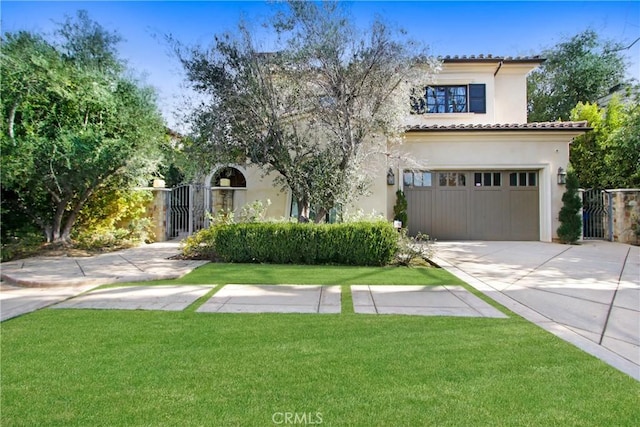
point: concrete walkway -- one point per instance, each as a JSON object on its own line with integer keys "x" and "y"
{"x": 444, "y": 300}
{"x": 274, "y": 299}
{"x": 588, "y": 294}
{"x": 43, "y": 281}
{"x": 164, "y": 298}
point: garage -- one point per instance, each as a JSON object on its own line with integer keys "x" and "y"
{"x": 473, "y": 204}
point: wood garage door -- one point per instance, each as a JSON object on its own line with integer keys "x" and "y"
{"x": 473, "y": 205}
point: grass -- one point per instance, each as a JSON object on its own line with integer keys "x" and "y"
{"x": 222, "y": 273}
{"x": 93, "y": 367}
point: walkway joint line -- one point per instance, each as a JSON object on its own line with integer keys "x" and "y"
{"x": 463, "y": 301}
{"x": 613, "y": 298}
{"x": 132, "y": 263}
{"x": 320, "y": 299}
{"x": 540, "y": 265}
{"x": 81, "y": 269}
{"x": 373, "y": 301}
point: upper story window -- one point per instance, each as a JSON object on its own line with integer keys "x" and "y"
{"x": 449, "y": 99}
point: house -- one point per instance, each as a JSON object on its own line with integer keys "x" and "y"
{"x": 624, "y": 92}
{"x": 489, "y": 174}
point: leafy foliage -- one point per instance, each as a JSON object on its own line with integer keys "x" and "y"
{"x": 72, "y": 125}
{"x": 400, "y": 208}
{"x": 609, "y": 155}
{"x": 570, "y": 229}
{"x": 622, "y": 150}
{"x": 115, "y": 218}
{"x": 412, "y": 249}
{"x": 20, "y": 243}
{"x": 361, "y": 243}
{"x": 581, "y": 69}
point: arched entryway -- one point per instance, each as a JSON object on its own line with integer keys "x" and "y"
{"x": 228, "y": 187}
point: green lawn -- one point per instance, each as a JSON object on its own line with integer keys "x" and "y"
{"x": 92, "y": 367}
{"x": 222, "y": 273}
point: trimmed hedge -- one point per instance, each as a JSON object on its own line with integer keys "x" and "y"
{"x": 358, "y": 243}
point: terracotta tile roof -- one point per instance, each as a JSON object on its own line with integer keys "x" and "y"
{"x": 539, "y": 126}
{"x": 490, "y": 58}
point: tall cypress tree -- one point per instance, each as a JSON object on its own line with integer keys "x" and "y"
{"x": 400, "y": 208}
{"x": 570, "y": 228}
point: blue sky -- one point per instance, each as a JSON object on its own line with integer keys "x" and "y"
{"x": 449, "y": 28}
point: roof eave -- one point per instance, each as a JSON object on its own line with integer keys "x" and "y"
{"x": 580, "y": 127}
{"x": 492, "y": 60}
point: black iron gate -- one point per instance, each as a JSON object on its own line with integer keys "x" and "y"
{"x": 188, "y": 206}
{"x": 596, "y": 215}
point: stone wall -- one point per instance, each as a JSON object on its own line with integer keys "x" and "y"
{"x": 157, "y": 209}
{"x": 626, "y": 215}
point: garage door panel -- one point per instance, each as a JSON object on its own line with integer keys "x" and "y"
{"x": 523, "y": 215}
{"x": 419, "y": 211}
{"x": 487, "y": 213}
{"x": 450, "y": 221}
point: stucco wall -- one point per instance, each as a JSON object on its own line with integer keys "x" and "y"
{"x": 511, "y": 97}
{"x": 374, "y": 201}
{"x": 506, "y": 93}
{"x": 263, "y": 188}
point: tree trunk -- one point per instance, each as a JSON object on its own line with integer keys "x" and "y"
{"x": 320, "y": 215}
{"x": 48, "y": 232}
{"x": 12, "y": 118}
{"x": 303, "y": 209}
{"x": 52, "y": 230}
{"x": 71, "y": 219}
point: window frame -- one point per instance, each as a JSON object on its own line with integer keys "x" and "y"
{"x": 487, "y": 179}
{"x": 411, "y": 183}
{"x": 475, "y": 100}
{"x": 446, "y": 96}
{"x": 452, "y": 179}
{"x": 523, "y": 179}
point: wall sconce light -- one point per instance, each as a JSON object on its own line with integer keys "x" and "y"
{"x": 391, "y": 178}
{"x": 562, "y": 176}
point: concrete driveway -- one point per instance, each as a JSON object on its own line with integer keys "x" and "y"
{"x": 587, "y": 294}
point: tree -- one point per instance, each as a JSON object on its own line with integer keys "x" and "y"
{"x": 570, "y": 228}
{"x": 400, "y": 208}
{"x": 248, "y": 114}
{"x": 312, "y": 112}
{"x": 622, "y": 150}
{"x": 581, "y": 69}
{"x": 586, "y": 151}
{"x": 72, "y": 124}
{"x": 609, "y": 155}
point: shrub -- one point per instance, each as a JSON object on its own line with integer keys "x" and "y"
{"x": 254, "y": 212}
{"x": 400, "y": 208}
{"x": 114, "y": 218}
{"x": 21, "y": 243}
{"x": 201, "y": 245}
{"x": 570, "y": 228}
{"x": 412, "y": 249}
{"x": 360, "y": 243}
